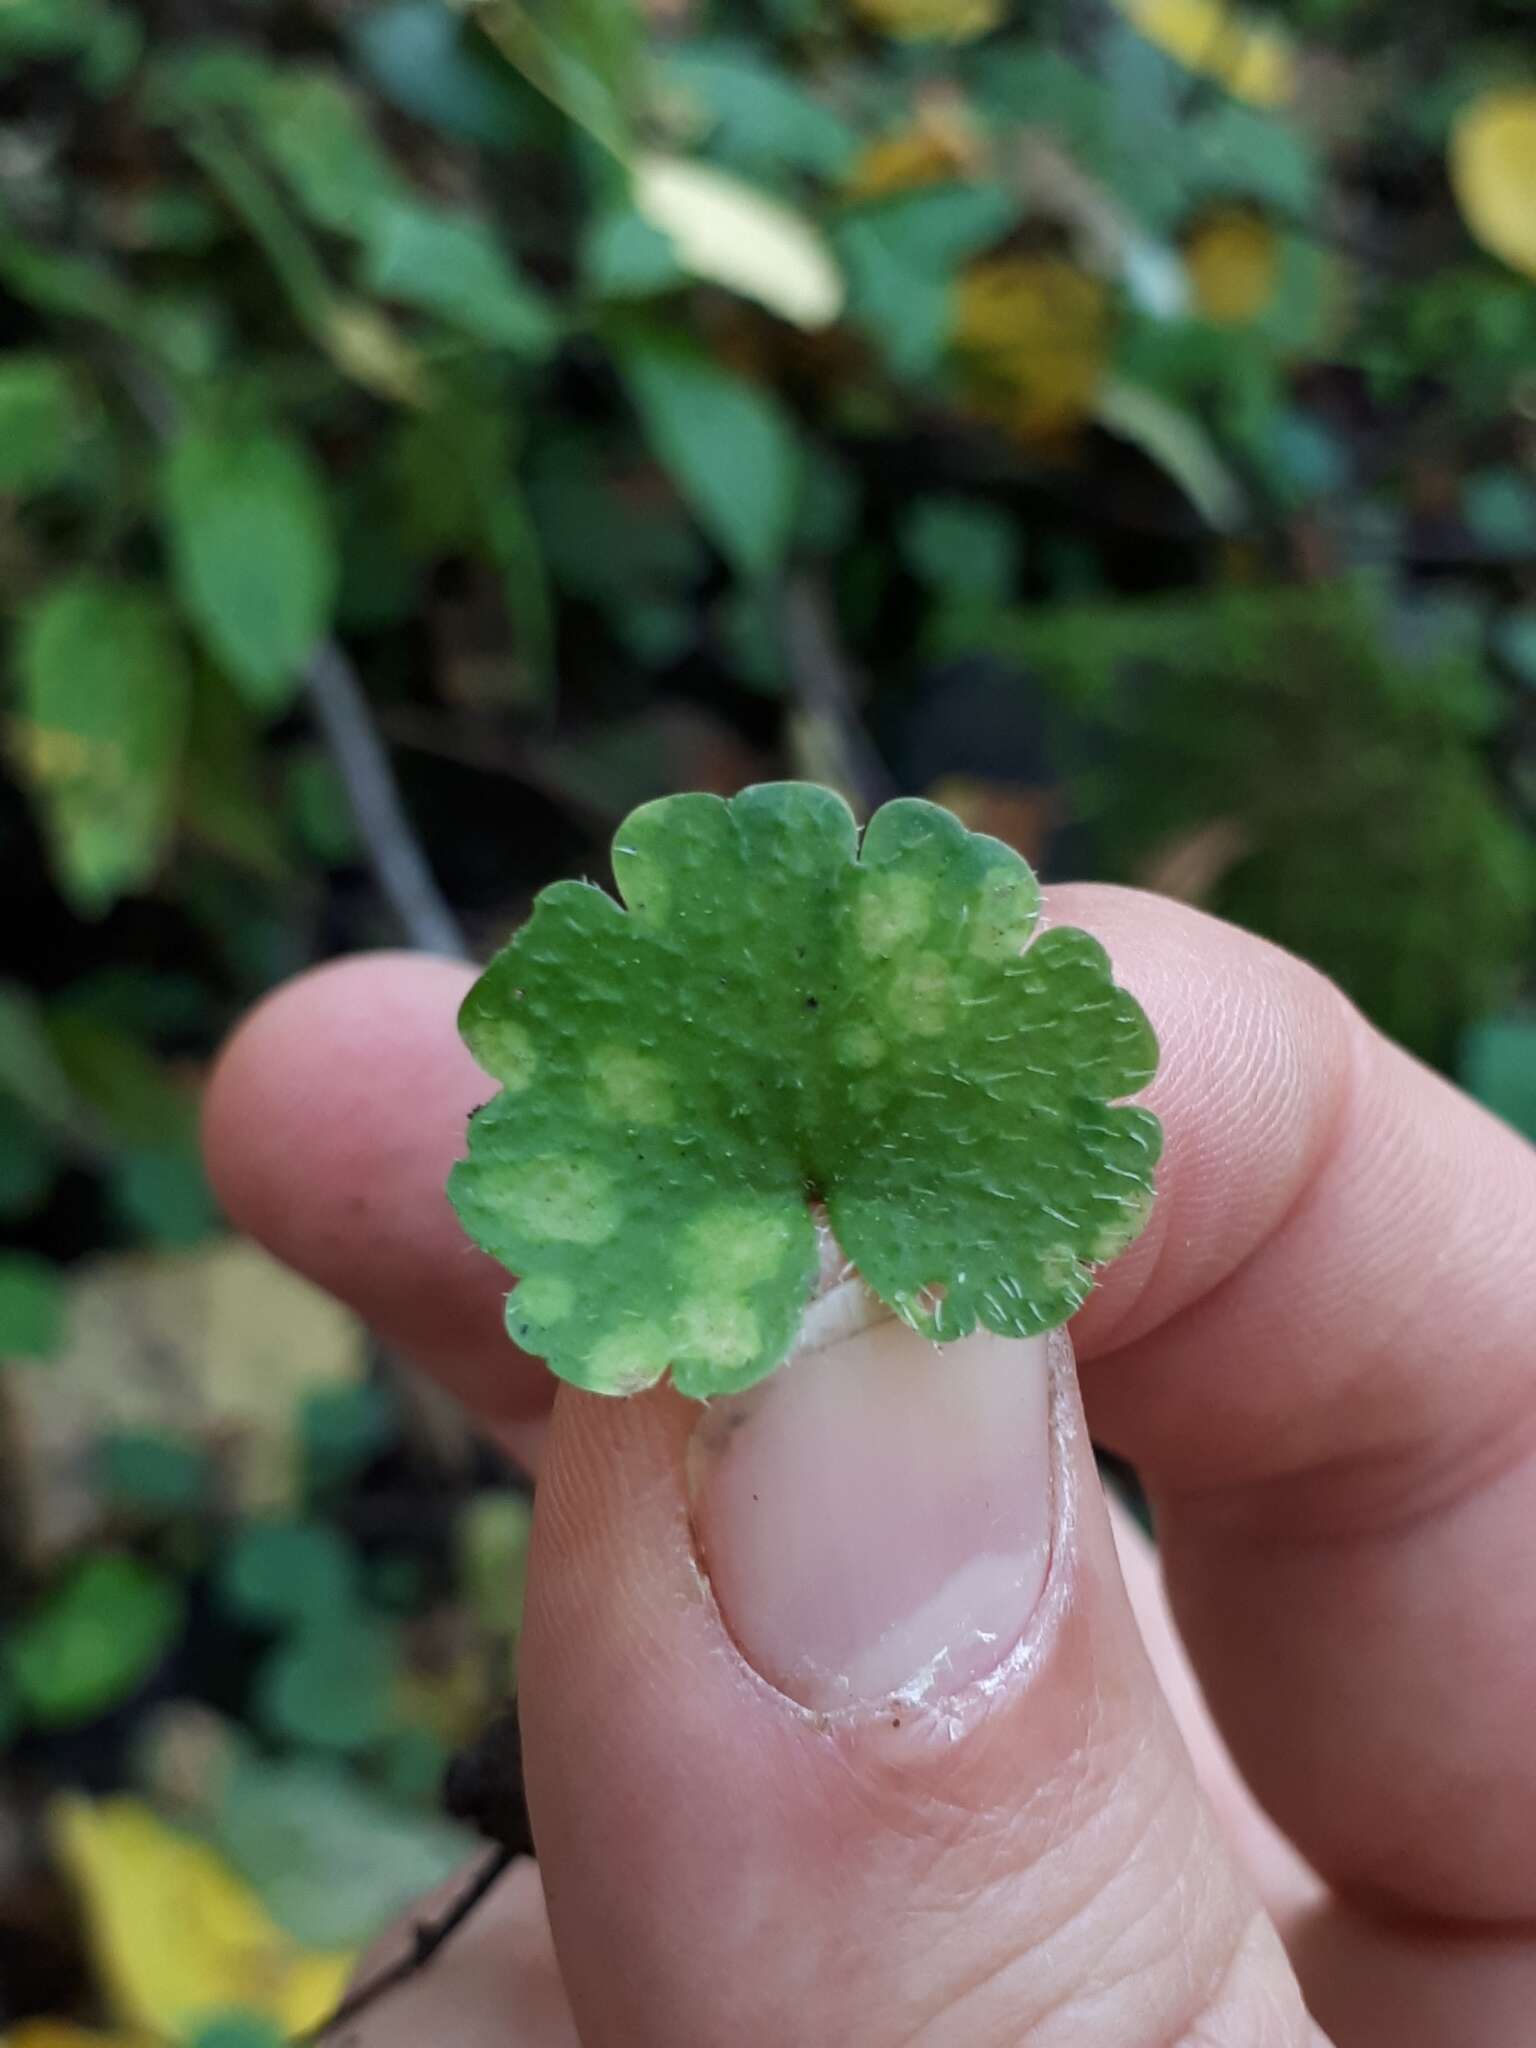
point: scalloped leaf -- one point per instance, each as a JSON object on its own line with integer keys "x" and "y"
{"x": 779, "y": 1016}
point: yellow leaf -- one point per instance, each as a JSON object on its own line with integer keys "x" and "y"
{"x": 219, "y": 1347}
{"x": 1233, "y": 260}
{"x": 175, "y": 1933}
{"x": 1032, "y": 333}
{"x": 1252, "y": 59}
{"x": 729, "y": 233}
{"x": 932, "y": 21}
{"x": 941, "y": 144}
{"x": 1493, "y": 173}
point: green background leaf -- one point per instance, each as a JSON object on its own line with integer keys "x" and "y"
{"x": 105, "y": 692}
{"x": 728, "y": 445}
{"x": 254, "y": 553}
{"x": 92, "y": 1640}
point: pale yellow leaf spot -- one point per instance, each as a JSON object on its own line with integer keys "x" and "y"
{"x": 717, "y": 1332}
{"x": 737, "y": 1244}
{"x": 562, "y": 1201}
{"x": 545, "y": 1297}
{"x": 920, "y": 995}
{"x": 1005, "y": 914}
{"x": 892, "y": 910}
{"x": 627, "y": 1360}
{"x": 632, "y": 1087}
{"x": 860, "y": 1046}
{"x": 1125, "y": 1228}
{"x": 1493, "y": 173}
{"x": 1253, "y": 59}
{"x": 506, "y": 1051}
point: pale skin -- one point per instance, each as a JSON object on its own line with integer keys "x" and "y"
{"x": 1321, "y": 1357}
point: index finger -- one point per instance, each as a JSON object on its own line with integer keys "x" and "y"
{"x": 1320, "y": 1358}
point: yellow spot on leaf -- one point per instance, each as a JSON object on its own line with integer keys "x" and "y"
{"x": 860, "y": 1046}
{"x": 893, "y": 909}
{"x": 563, "y": 1201}
{"x": 1493, "y": 173}
{"x": 920, "y": 995}
{"x": 1124, "y": 1229}
{"x": 1032, "y": 333}
{"x": 176, "y": 1933}
{"x": 1252, "y": 59}
{"x": 1233, "y": 260}
{"x": 627, "y": 1360}
{"x": 632, "y": 1086}
{"x": 737, "y": 1244}
{"x": 718, "y": 1332}
{"x": 1005, "y": 914}
{"x": 506, "y": 1051}
{"x": 544, "y": 1297}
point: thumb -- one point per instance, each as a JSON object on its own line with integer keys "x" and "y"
{"x": 839, "y": 1728}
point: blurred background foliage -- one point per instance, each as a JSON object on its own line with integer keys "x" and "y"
{"x": 428, "y": 428}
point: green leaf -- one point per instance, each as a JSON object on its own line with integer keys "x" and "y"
{"x": 37, "y": 422}
{"x": 1499, "y": 506}
{"x": 435, "y": 67}
{"x": 254, "y": 554}
{"x": 160, "y": 1474}
{"x": 624, "y": 257}
{"x": 276, "y": 1574}
{"x": 1498, "y": 1066}
{"x": 757, "y": 118}
{"x": 342, "y": 1429}
{"x": 29, "y": 1162}
{"x": 902, "y": 256}
{"x": 92, "y": 1641}
{"x": 962, "y": 548}
{"x": 331, "y": 1685}
{"x": 161, "y": 1192}
{"x": 728, "y": 445}
{"x": 316, "y": 132}
{"x": 30, "y": 1069}
{"x": 225, "y": 802}
{"x": 1515, "y": 639}
{"x": 781, "y": 1014}
{"x": 332, "y": 1862}
{"x": 32, "y": 1307}
{"x": 452, "y": 264}
{"x": 238, "y": 2030}
{"x": 105, "y": 692}
{"x": 129, "y": 1090}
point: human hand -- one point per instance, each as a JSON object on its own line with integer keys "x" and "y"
{"x": 898, "y": 1766}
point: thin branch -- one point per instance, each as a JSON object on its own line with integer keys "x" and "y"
{"x": 342, "y": 712}
{"x": 394, "y": 853}
{"x": 427, "y": 1938}
{"x": 825, "y": 697}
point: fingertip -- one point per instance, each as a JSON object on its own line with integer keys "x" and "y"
{"x": 329, "y": 1126}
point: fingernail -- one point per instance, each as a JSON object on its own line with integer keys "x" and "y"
{"x": 876, "y": 1518}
